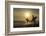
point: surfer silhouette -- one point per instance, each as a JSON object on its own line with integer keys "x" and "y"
{"x": 27, "y": 20}
{"x": 34, "y": 19}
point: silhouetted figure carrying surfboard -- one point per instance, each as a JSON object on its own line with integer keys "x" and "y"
{"x": 27, "y": 20}
{"x": 34, "y": 19}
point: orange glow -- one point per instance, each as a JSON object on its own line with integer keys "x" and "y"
{"x": 27, "y": 15}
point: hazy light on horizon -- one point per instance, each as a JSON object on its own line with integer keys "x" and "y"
{"x": 21, "y": 14}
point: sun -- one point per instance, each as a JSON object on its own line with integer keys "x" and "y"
{"x": 27, "y": 15}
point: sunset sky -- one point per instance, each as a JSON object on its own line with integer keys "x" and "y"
{"x": 21, "y": 13}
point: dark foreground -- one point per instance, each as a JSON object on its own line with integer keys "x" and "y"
{"x": 18, "y": 24}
